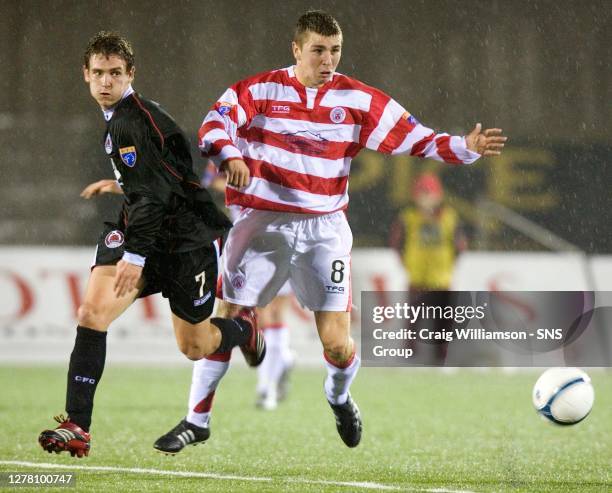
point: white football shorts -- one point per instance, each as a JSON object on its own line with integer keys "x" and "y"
{"x": 264, "y": 249}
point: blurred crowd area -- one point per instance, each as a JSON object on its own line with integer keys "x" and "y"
{"x": 540, "y": 70}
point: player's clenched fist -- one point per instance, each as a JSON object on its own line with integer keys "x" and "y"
{"x": 237, "y": 172}
{"x": 487, "y": 143}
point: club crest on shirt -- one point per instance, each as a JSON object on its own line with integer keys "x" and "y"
{"x": 114, "y": 239}
{"x": 223, "y": 108}
{"x": 108, "y": 144}
{"x": 128, "y": 156}
{"x": 337, "y": 114}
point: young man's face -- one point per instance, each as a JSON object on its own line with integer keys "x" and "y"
{"x": 317, "y": 58}
{"x": 108, "y": 78}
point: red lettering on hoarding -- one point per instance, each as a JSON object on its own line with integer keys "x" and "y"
{"x": 148, "y": 308}
{"x": 380, "y": 286}
{"x": 73, "y": 282}
{"x": 26, "y": 296}
{"x": 74, "y": 288}
{"x": 495, "y": 289}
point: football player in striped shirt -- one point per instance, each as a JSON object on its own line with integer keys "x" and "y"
{"x": 286, "y": 138}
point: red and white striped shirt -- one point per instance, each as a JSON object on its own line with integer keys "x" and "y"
{"x": 298, "y": 142}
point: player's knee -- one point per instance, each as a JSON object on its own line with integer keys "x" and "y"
{"x": 195, "y": 349}
{"x": 337, "y": 350}
{"x": 194, "y": 354}
{"x": 92, "y": 316}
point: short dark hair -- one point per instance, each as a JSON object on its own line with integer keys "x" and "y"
{"x": 109, "y": 43}
{"x": 316, "y": 21}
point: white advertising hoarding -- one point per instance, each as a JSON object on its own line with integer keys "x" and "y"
{"x": 41, "y": 289}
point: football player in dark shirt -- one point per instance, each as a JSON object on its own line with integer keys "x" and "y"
{"x": 163, "y": 241}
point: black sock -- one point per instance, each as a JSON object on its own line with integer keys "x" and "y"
{"x": 84, "y": 373}
{"x": 234, "y": 332}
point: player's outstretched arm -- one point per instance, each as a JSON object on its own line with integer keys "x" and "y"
{"x": 487, "y": 143}
{"x": 100, "y": 187}
{"x": 395, "y": 131}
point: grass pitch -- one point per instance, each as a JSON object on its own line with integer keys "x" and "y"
{"x": 423, "y": 431}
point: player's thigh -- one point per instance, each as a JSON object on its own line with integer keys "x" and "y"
{"x": 321, "y": 272}
{"x": 100, "y": 304}
{"x": 256, "y": 259}
{"x": 189, "y": 281}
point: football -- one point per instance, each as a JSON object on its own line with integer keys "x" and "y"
{"x": 563, "y": 395}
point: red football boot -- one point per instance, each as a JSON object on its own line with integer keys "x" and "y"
{"x": 254, "y": 350}
{"x": 66, "y": 437}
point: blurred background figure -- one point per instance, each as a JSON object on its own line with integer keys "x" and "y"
{"x": 428, "y": 237}
{"x": 273, "y": 373}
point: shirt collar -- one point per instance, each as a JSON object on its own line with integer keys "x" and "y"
{"x": 108, "y": 114}
{"x": 291, "y": 73}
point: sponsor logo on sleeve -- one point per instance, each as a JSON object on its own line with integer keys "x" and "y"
{"x": 128, "y": 156}
{"x": 224, "y": 108}
{"x": 337, "y": 114}
{"x": 114, "y": 239}
{"x": 108, "y": 144}
{"x": 410, "y": 119}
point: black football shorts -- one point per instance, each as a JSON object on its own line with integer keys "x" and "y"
{"x": 187, "y": 279}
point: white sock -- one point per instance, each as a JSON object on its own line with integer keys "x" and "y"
{"x": 339, "y": 380}
{"x": 204, "y": 380}
{"x": 271, "y": 369}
